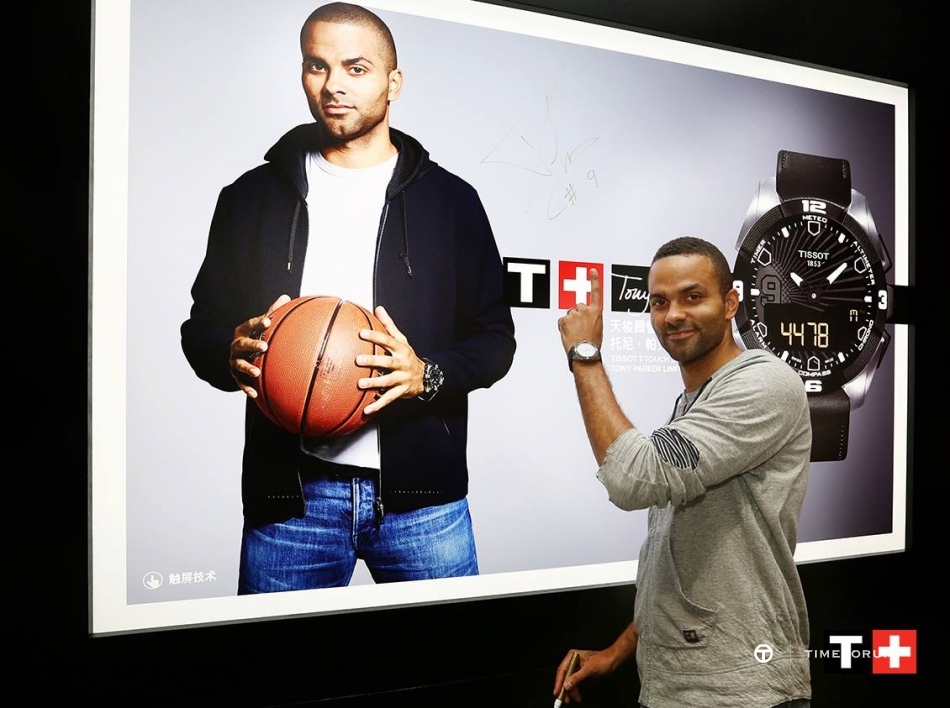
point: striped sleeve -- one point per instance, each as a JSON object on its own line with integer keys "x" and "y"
{"x": 674, "y": 448}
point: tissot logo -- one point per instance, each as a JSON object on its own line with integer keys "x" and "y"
{"x": 894, "y": 651}
{"x": 889, "y": 651}
{"x": 574, "y": 282}
{"x": 628, "y": 288}
{"x": 527, "y": 282}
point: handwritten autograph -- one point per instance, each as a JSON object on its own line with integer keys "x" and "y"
{"x": 539, "y": 153}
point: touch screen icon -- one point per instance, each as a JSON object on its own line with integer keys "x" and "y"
{"x": 152, "y": 580}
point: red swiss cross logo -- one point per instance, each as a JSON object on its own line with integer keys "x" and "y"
{"x": 574, "y": 284}
{"x": 894, "y": 651}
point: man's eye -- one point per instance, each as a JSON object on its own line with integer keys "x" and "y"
{"x": 357, "y": 70}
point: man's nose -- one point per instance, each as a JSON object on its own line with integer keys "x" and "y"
{"x": 334, "y": 83}
{"x": 674, "y": 313}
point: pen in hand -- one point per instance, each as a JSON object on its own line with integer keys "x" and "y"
{"x": 571, "y": 665}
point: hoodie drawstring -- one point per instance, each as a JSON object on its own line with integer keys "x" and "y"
{"x": 293, "y": 236}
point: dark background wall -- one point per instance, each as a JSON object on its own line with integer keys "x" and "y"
{"x": 495, "y": 652}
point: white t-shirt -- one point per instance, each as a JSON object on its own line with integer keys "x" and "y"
{"x": 344, "y": 207}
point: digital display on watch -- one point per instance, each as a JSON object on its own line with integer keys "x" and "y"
{"x": 799, "y": 327}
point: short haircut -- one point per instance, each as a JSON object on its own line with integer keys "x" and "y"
{"x": 342, "y": 13}
{"x": 692, "y": 246}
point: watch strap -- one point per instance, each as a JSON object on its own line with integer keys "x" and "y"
{"x": 830, "y": 420}
{"x": 798, "y": 175}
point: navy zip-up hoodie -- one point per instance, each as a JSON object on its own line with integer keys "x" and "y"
{"x": 438, "y": 274}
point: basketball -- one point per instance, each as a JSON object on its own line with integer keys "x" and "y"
{"x": 309, "y": 373}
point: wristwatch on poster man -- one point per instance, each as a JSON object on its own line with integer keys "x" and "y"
{"x": 432, "y": 380}
{"x": 810, "y": 275}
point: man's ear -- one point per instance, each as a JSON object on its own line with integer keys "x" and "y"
{"x": 732, "y": 303}
{"x": 395, "y": 84}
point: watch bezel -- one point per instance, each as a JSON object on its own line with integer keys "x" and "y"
{"x": 432, "y": 380}
{"x": 574, "y": 353}
{"x": 581, "y": 355}
{"x": 834, "y": 373}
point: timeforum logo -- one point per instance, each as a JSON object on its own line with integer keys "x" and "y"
{"x": 890, "y": 651}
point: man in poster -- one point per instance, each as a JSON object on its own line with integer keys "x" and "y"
{"x": 351, "y": 207}
{"x": 720, "y": 616}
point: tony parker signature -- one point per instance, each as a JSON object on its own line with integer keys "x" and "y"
{"x": 536, "y": 149}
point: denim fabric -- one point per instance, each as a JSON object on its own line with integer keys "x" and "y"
{"x": 339, "y": 527}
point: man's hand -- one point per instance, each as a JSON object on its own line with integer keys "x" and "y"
{"x": 405, "y": 369}
{"x": 246, "y": 345}
{"x": 589, "y": 663}
{"x": 583, "y": 321}
{"x": 595, "y": 663}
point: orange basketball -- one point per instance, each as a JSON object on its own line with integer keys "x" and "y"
{"x": 309, "y": 373}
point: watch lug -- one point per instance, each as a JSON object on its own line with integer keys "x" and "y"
{"x": 861, "y": 213}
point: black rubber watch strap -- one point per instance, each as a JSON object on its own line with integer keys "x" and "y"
{"x": 830, "y": 420}
{"x": 799, "y": 175}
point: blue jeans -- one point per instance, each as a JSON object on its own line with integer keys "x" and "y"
{"x": 321, "y": 549}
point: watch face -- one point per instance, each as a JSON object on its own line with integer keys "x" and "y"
{"x": 432, "y": 376}
{"x": 586, "y": 349}
{"x": 812, "y": 291}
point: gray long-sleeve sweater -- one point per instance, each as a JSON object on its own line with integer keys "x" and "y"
{"x": 724, "y": 482}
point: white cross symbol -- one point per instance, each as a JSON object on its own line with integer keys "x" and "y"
{"x": 893, "y": 651}
{"x": 579, "y": 285}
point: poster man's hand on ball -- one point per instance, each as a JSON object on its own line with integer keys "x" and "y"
{"x": 404, "y": 370}
{"x": 246, "y": 346}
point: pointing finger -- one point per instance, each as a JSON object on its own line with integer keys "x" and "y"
{"x": 596, "y": 300}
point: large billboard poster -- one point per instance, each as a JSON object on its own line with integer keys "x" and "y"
{"x": 589, "y": 147}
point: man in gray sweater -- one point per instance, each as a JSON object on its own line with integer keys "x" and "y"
{"x": 720, "y": 616}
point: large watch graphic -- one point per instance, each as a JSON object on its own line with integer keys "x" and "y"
{"x": 811, "y": 279}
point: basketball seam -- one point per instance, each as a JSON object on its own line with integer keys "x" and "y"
{"x": 316, "y": 367}
{"x": 362, "y": 400}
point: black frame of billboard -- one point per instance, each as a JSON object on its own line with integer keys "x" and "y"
{"x": 464, "y": 649}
